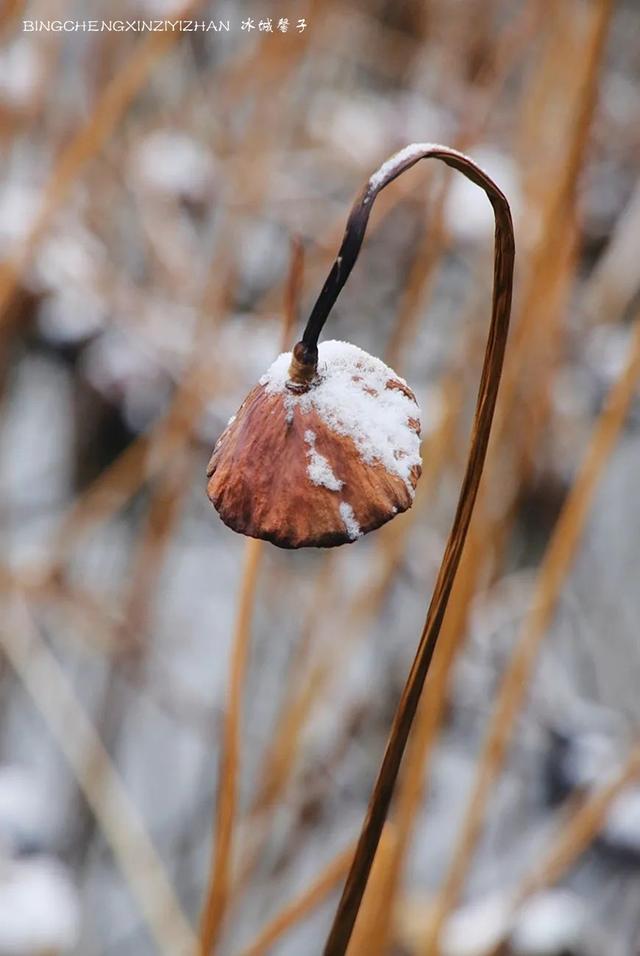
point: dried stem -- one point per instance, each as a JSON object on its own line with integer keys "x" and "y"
{"x": 220, "y": 878}
{"x": 555, "y": 567}
{"x": 349, "y": 905}
{"x": 219, "y": 886}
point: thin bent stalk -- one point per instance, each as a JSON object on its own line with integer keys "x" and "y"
{"x": 306, "y": 352}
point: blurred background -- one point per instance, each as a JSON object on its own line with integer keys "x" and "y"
{"x": 163, "y": 680}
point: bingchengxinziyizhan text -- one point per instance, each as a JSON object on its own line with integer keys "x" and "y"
{"x": 251, "y": 24}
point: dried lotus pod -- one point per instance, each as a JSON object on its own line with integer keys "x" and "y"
{"x": 317, "y": 460}
{"x": 288, "y": 444}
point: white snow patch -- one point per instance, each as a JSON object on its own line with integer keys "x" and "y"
{"x": 467, "y": 211}
{"x": 351, "y": 397}
{"x": 171, "y": 163}
{"x": 468, "y": 214}
{"x": 355, "y": 124}
{"x": 477, "y": 928}
{"x": 39, "y": 910}
{"x": 23, "y": 807}
{"x": 550, "y": 923}
{"x": 21, "y": 73}
{"x": 19, "y": 207}
{"x": 623, "y": 820}
{"x": 412, "y": 151}
{"x": 351, "y": 525}
{"x": 319, "y": 469}
{"x": 591, "y": 757}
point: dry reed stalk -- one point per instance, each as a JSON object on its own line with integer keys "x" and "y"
{"x": 409, "y": 798}
{"x": 558, "y": 204}
{"x": 109, "y": 634}
{"x": 300, "y": 688}
{"x": 220, "y": 877}
{"x": 219, "y": 885}
{"x": 10, "y": 11}
{"x": 283, "y": 750}
{"x": 365, "y": 940}
{"x": 293, "y": 291}
{"x": 150, "y": 549}
{"x": 113, "y": 103}
{"x": 171, "y": 483}
{"x": 413, "y": 780}
{"x": 348, "y": 907}
{"x": 553, "y": 571}
{"x": 523, "y": 438}
{"x": 550, "y": 274}
{"x": 279, "y": 751}
{"x": 120, "y": 822}
{"x": 580, "y": 829}
{"x": 436, "y": 241}
{"x": 301, "y": 905}
{"x": 612, "y": 285}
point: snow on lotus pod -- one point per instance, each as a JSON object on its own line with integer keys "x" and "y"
{"x": 318, "y": 454}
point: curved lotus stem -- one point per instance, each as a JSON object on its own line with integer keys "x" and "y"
{"x": 306, "y": 355}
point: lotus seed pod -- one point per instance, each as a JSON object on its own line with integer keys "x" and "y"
{"x": 319, "y": 453}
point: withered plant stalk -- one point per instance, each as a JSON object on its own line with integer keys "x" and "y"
{"x": 220, "y": 877}
{"x": 306, "y": 354}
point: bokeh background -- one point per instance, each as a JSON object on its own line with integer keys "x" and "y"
{"x": 163, "y": 195}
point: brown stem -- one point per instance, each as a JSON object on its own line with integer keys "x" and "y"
{"x": 356, "y": 882}
{"x": 220, "y": 876}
